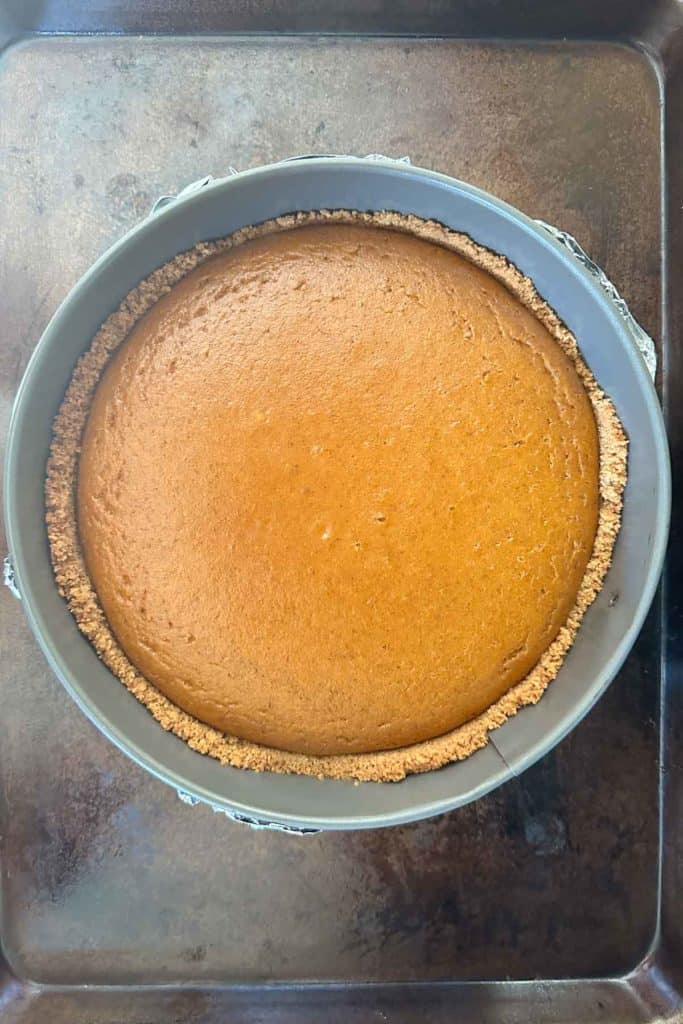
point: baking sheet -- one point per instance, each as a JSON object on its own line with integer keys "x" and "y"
{"x": 107, "y": 878}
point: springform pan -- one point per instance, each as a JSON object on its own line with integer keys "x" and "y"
{"x": 211, "y": 209}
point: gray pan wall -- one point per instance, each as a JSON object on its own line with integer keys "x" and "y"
{"x": 612, "y": 623}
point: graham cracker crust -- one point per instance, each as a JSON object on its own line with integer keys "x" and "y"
{"x": 75, "y": 585}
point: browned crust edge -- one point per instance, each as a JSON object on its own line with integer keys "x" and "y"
{"x": 75, "y": 585}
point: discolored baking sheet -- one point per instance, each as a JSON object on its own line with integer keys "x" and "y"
{"x": 108, "y": 880}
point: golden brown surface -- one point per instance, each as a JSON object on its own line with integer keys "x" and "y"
{"x": 338, "y": 490}
{"x": 76, "y": 585}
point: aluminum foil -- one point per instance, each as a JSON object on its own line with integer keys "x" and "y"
{"x": 259, "y": 824}
{"x": 9, "y": 579}
{"x": 642, "y": 341}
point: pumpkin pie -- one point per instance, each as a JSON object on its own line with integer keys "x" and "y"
{"x": 332, "y": 495}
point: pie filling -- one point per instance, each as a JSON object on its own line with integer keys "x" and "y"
{"x": 332, "y": 495}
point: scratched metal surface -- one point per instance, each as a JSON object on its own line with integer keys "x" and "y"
{"x": 107, "y": 877}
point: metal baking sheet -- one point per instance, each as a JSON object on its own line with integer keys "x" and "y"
{"x": 556, "y": 898}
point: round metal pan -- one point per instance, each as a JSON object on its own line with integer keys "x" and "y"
{"x": 610, "y": 626}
